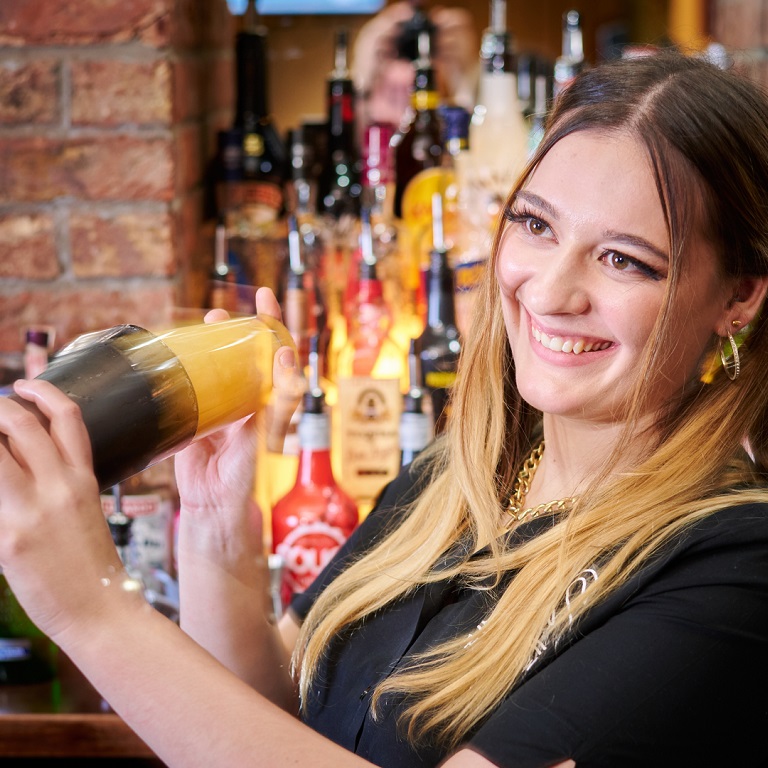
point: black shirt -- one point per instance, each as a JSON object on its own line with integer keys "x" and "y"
{"x": 670, "y": 670}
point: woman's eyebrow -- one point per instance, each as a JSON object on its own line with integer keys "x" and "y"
{"x": 539, "y": 202}
{"x": 637, "y": 242}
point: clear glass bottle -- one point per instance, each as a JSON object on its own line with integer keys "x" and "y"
{"x": 571, "y": 60}
{"x": 498, "y": 135}
{"x": 415, "y": 420}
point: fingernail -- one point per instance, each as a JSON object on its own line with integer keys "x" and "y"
{"x": 287, "y": 358}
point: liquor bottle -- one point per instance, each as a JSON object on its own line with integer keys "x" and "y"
{"x": 222, "y": 285}
{"x": 295, "y": 301}
{"x": 378, "y": 189}
{"x": 340, "y": 183}
{"x": 415, "y": 420}
{"x": 439, "y": 345}
{"x": 538, "y": 117}
{"x": 145, "y": 396}
{"x": 498, "y": 135}
{"x": 26, "y": 654}
{"x": 254, "y": 195}
{"x": 263, "y": 152}
{"x": 316, "y": 516}
{"x": 141, "y": 577}
{"x": 301, "y": 197}
{"x": 371, "y": 371}
{"x": 418, "y": 144}
{"x": 571, "y": 60}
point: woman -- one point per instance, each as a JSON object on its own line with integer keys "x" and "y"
{"x": 597, "y": 599}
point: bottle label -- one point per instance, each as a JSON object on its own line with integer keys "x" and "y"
{"x": 314, "y": 432}
{"x": 305, "y": 551}
{"x": 415, "y": 431}
{"x": 151, "y": 531}
{"x": 369, "y": 412}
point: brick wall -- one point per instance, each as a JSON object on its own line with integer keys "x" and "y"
{"x": 108, "y": 113}
{"x": 742, "y": 26}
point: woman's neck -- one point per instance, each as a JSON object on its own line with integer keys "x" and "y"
{"x": 576, "y": 452}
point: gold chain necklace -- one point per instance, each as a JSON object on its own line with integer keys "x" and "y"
{"x": 523, "y": 485}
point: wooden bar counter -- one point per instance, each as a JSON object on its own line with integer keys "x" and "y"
{"x": 66, "y": 723}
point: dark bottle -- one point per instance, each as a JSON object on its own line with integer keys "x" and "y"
{"x": 571, "y": 60}
{"x": 418, "y": 144}
{"x": 415, "y": 422}
{"x": 316, "y": 516}
{"x": 439, "y": 345}
{"x": 407, "y": 40}
{"x": 340, "y": 182}
{"x": 263, "y": 154}
{"x": 26, "y": 654}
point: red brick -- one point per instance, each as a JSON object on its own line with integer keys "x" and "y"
{"x": 29, "y": 92}
{"x": 109, "y": 168}
{"x": 124, "y": 245}
{"x": 187, "y": 76}
{"x": 218, "y": 25}
{"x": 28, "y": 247}
{"x": 195, "y": 258}
{"x": 80, "y": 22}
{"x": 109, "y": 92}
{"x": 81, "y": 309}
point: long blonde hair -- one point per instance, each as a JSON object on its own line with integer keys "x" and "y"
{"x": 707, "y": 142}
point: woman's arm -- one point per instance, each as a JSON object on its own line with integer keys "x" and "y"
{"x": 223, "y": 578}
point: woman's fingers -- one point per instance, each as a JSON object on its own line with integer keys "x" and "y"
{"x": 65, "y": 436}
{"x": 288, "y": 387}
{"x": 267, "y": 304}
{"x": 216, "y": 316}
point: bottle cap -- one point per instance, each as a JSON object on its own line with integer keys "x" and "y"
{"x": 37, "y": 336}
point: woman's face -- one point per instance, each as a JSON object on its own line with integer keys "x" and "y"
{"x": 582, "y": 270}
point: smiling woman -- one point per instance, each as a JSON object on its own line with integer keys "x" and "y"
{"x": 575, "y": 574}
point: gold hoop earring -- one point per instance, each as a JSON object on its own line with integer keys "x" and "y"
{"x": 731, "y": 367}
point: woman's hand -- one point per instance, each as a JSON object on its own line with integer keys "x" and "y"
{"x": 216, "y": 473}
{"x": 55, "y": 546}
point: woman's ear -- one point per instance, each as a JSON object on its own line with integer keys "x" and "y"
{"x": 748, "y": 297}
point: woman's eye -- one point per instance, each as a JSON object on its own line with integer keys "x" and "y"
{"x": 536, "y": 226}
{"x": 623, "y": 263}
{"x": 619, "y": 261}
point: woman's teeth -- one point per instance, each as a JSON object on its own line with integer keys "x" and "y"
{"x": 558, "y": 344}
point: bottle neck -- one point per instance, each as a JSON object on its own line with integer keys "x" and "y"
{"x": 440, "y": 296}
{"x": 341, "y": 114}
{"x": 314, "y": 452}
{"x": 251, "y": 63}
{"x": 497, "y": 94}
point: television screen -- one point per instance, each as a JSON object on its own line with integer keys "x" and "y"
{"x": 310, "y": 7}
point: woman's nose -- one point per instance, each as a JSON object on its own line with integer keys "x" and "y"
{"x": 559, "y": 284}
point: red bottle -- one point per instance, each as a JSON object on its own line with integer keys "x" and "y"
{"x": 316, "y": 516}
